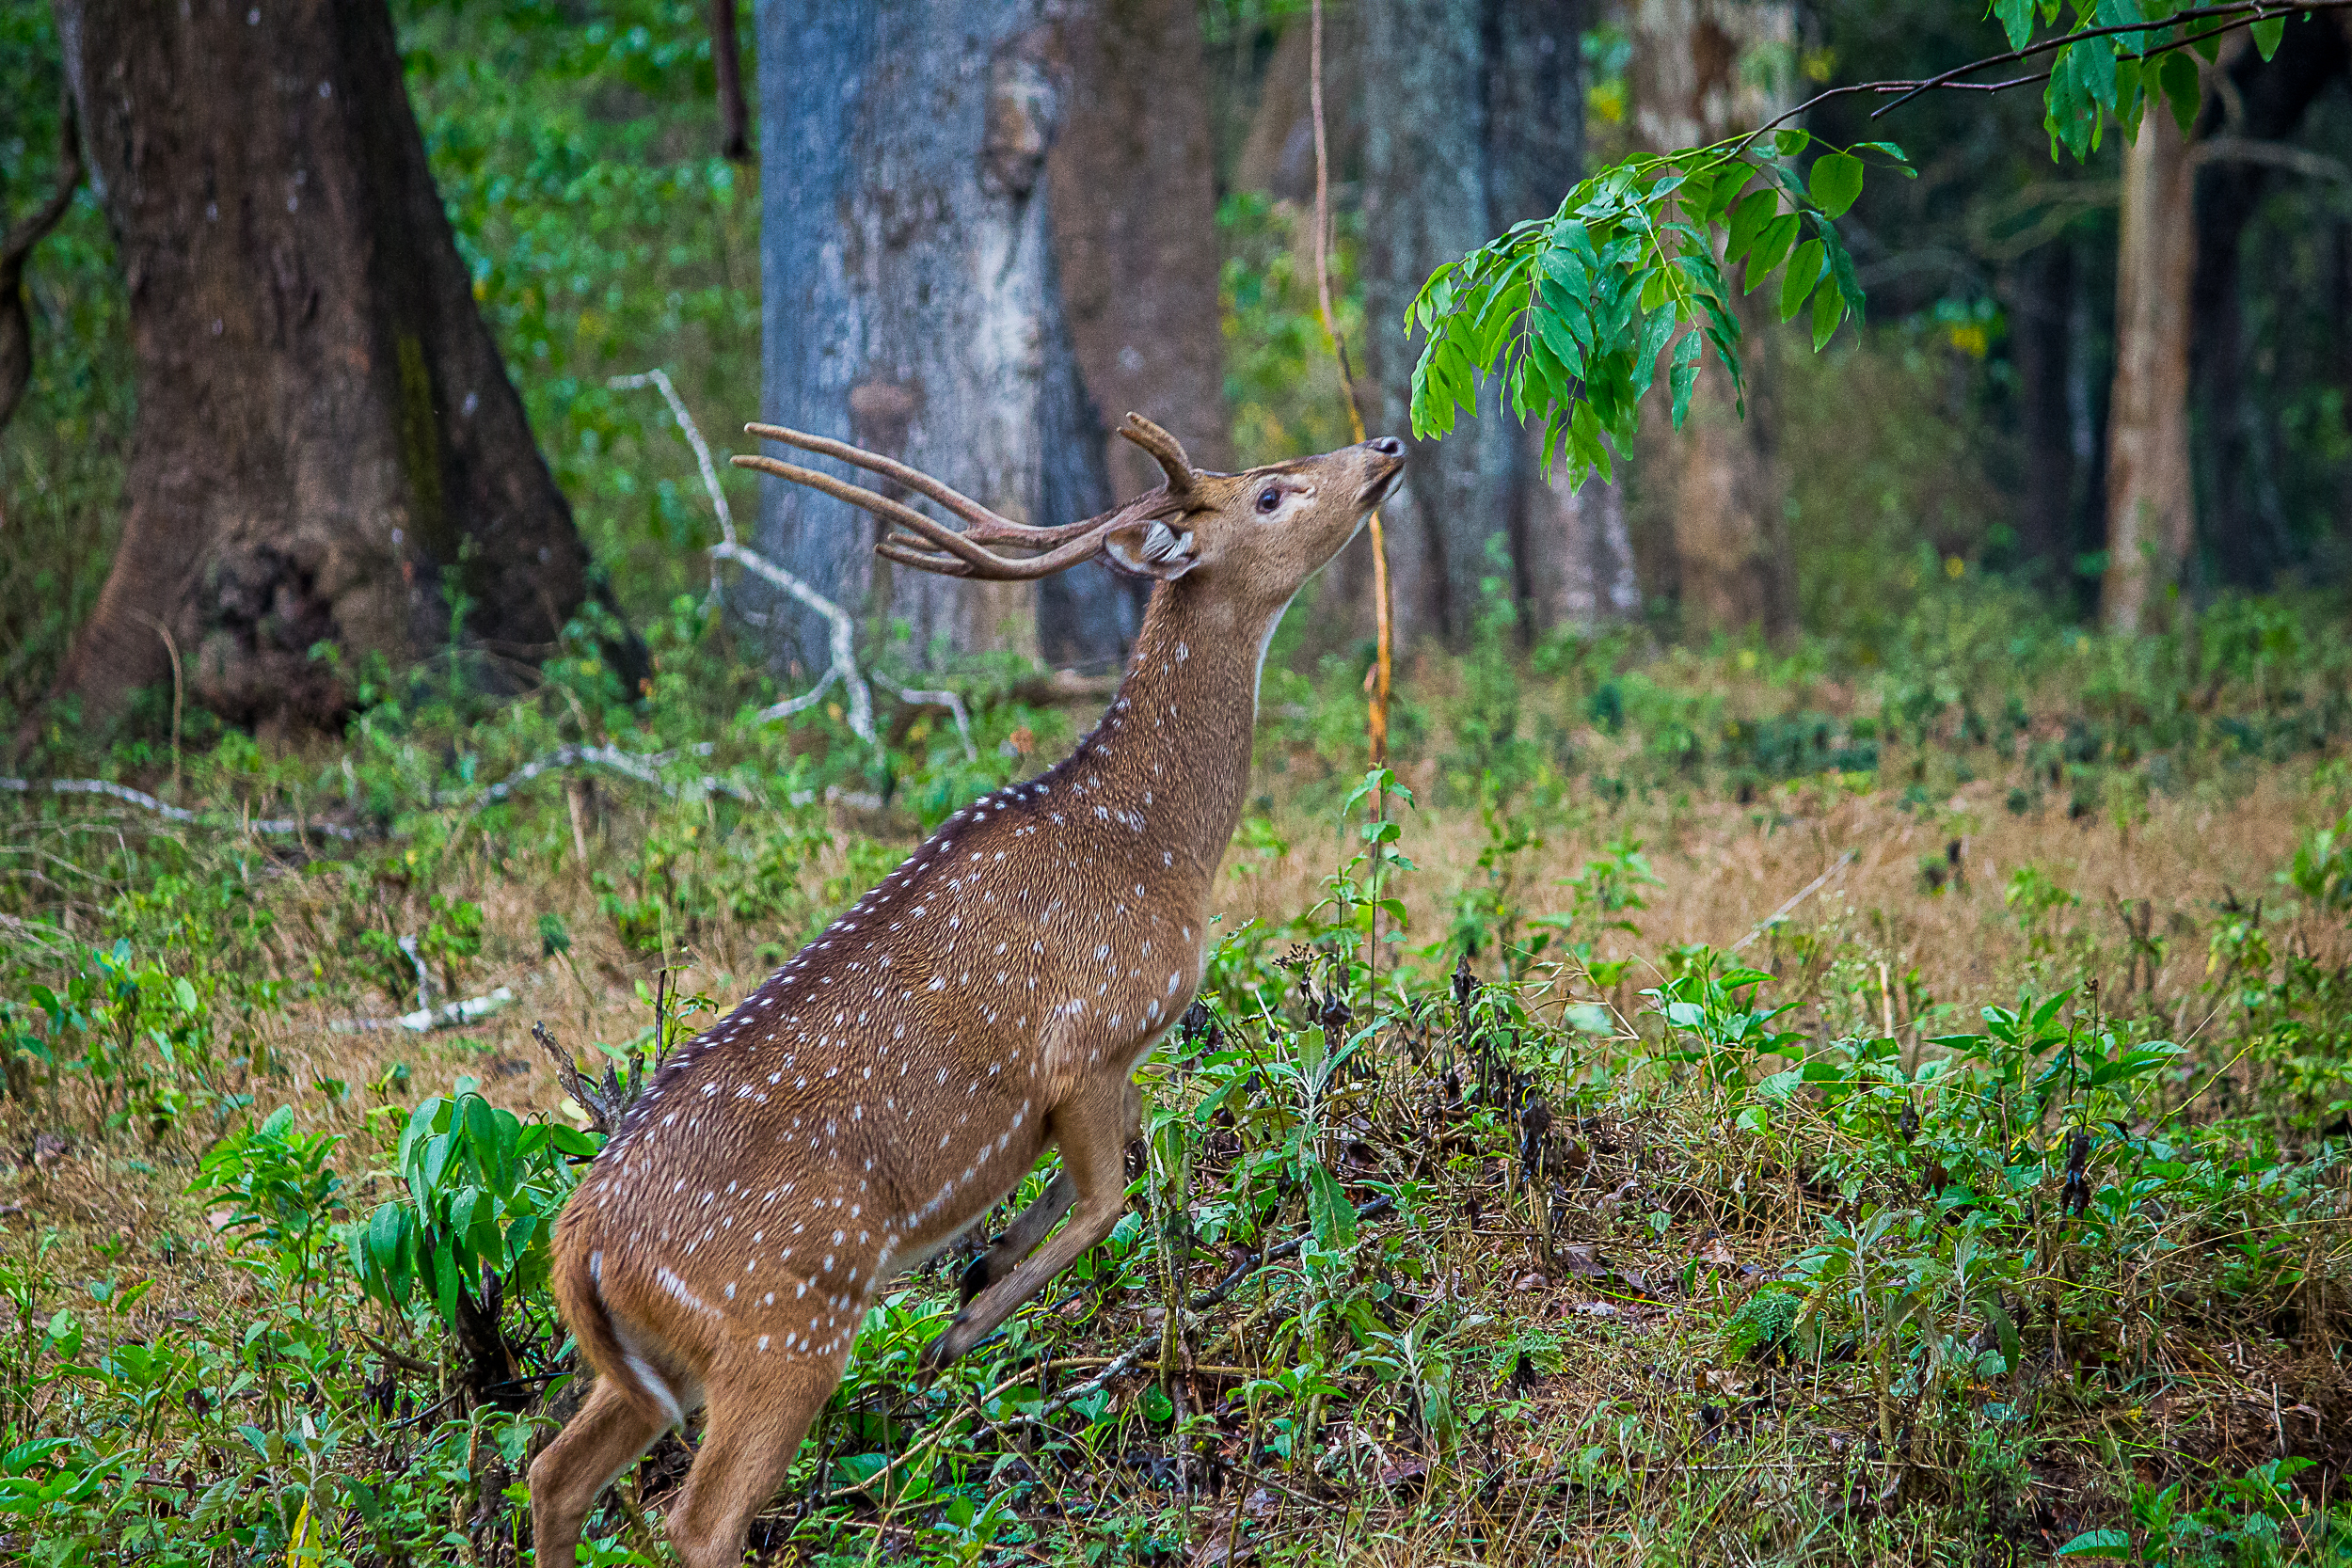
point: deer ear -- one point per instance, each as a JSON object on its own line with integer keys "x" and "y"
{"x": 1151, "y": 547}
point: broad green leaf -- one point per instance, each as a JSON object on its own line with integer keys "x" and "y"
{"x": 2094, "y": 64}
{"x": 1772, "y": 247}
{"x": 1748, "y": 219}
{"x": 1685, "y": 373}
{"x": 1788, "y": 141}
{"x": 2176, "y": 75}
{"x": 2016, "y": 19}
{"x": 2094, "y": 1544}
{"x": 1836, "y": 180}
{"x": 1828, "y": 310}
{"x": 2266, "y": 36}
{"x": 2069, "y": 114}
{"x": 1332, "y": 1216}
{"x": 1795, "y": 285}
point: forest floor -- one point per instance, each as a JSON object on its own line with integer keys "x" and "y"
{"x": 1645, "y": 1255}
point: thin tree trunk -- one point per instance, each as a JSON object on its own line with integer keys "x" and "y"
{"x": 2041, "y": 295}
{"x": 1703, "y": 69}
{"x": 1571, "y": 548}
{"x": 16, "y": 244}
{"x": 327, "y": 447}
{"x": 726, "y": 64}
{"x": 2149, "y": 519}
{"x": 1133, "y": 206}
{"x": 912, "y": 303}
{"x": 1277, "y": 156}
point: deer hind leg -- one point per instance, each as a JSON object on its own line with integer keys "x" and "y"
{"x": 1019, "y": 1237}
{"x": 761, "y": 1402}
{"x": 602, "y": 1440}
{"x": 1093, "y": 1129}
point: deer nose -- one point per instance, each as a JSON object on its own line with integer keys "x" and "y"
{"x": 1387, "y": 446}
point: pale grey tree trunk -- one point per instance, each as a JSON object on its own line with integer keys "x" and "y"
{"x": 912, "y": 304}
{"x": 1474, "y": 116}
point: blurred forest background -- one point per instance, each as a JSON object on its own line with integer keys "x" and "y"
{"x": 1960, "y": 444}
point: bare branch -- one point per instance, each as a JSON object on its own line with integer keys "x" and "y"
{"x": 843, "y": 641}
{"x": 915, "y": 696}
{"x": 2233, "y": 16}
{"x": 2249, "y": 150}
{"x": 145, "y": 802}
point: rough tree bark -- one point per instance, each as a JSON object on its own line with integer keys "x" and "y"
{"x": 1473, "y": 117}
{"x": 912, "y": 306}
{"x": 1133, "y": 195}
{"x": 1703, "y": 69}
{"x": 2150, "y": 523}
{"x": 325, "y": 436}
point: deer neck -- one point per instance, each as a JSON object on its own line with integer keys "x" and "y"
{"x": 1175, "y": 742}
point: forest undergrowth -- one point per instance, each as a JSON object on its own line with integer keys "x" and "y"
{"x": 1712, "y": 1106}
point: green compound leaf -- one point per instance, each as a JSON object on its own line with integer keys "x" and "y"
{"x": 1571, "y": 314}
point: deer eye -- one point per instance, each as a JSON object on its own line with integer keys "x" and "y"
{"x": 1269, "y": 498}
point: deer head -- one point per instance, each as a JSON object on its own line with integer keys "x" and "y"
{"x": 875, "y": 1097}
{"x": 1254, "y": 538}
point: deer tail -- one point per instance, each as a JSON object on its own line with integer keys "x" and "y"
{"x": 577, "y": 1284}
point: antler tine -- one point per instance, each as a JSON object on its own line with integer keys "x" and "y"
{"x": 881, "y": 506}
{"x": 893, "y": 548}
{"x": 1165, "y": 448}
{"x": 963, "y": 558}
{"x": 997, "y": 568}
{"x": 986, "y": 525}
{"x": 889, "y": 467}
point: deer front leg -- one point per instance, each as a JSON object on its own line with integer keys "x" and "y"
{"x": 1019, "y": 1237}
{"x": 1094, "y": 1131}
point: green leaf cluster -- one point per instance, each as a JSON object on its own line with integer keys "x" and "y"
{"x": 1573, "y": 312}
{"x": 484, "y": 1189}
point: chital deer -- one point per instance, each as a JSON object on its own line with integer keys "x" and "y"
{"x": 883, "y": 1091}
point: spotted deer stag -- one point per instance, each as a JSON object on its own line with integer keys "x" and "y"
{"x": 878, "y": 1095}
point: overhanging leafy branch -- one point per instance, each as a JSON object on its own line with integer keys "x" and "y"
{"x": 1570, "y": 314}
{"x": 1573, "y": 310}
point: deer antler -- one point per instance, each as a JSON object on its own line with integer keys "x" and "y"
{"x": 1165, "y": 449}
{"x": 965, "y": 554}
{"x": 954, "y": 554}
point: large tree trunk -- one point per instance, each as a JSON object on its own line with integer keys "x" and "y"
{"x": 1704, "y": 69}
{"x": 912, "y": 303}
{"x": 1473, "y": 117}
{"x": 326, "y": 445}
{"x": 1132, "y": 188}
{"x": 2149, "y": 519}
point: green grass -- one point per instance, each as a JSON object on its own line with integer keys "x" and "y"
{"x": 1984, "y": 1209}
